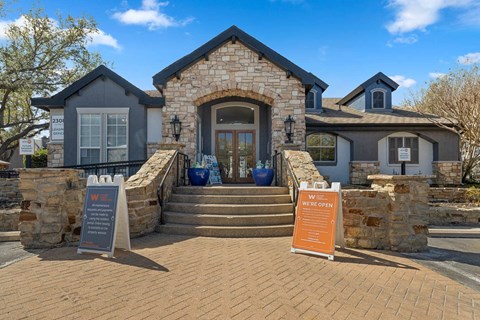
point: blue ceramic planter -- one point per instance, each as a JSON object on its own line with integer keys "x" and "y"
{"x": 198, "y": 176}
{"x": 263, "y": 177}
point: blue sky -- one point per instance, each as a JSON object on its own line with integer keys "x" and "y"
{"x": 342, "y": 42}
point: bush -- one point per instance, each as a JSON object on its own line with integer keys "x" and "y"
{"x": 39, "y": 158}
{"x": 473, "y": 195}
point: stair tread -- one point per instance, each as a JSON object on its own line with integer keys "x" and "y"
{"x": 198, "y": 226}
{"x": 228, "y": 215}
{"x": 219, "y": 205}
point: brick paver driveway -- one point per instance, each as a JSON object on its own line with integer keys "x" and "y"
{"x": 174, "y": 277}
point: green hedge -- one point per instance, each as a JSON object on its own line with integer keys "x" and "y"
{"x": 39, "y": 159}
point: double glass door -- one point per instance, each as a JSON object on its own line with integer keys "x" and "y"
{"x": 235, "y": 151}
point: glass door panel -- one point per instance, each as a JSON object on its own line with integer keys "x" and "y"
{"x": 225, "y": 155}
{"x": 235, "y": 151}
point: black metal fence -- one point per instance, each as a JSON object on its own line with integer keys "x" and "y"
{"x": 125, "y": 168}
{"x": 9, "y": 174}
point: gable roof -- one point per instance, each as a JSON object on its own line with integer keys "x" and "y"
{"x": 236, "y": 34}
{"x": 361, "y": 88}
{"x": 58, "y": 100}
{"x": 333, "y": 116}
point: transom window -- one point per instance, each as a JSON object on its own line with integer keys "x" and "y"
{"x": 321, "y": 146}
{"x": 236, "y": 115}
{"x": 103, "y": 137}
{"x": 402, "y": 142}
{"x": 378, "y": 99}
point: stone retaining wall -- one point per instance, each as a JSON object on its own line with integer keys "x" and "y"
{"x": 439, "y": 194}
{"x": 9, "y": 219}
{"x": 51, "y": 213}
{"x": 390, "y": 216}
{"x": 447, "y": 173}
{"x": 450, "y": 214}
{"x": 302, "y": 167}
{"x": 10, "y": 194}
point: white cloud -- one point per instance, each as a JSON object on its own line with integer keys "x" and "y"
{"x": 403, "y": 40}
{"x": 418, "y": 14}
{"x": 469, "y": 58}
{"x": 101, "y": 38}
{"x": 403, "y": 81}
{"x": 149, "y": 15}
{"x": 98, "y": 38}
{"x": 436, "y": 75}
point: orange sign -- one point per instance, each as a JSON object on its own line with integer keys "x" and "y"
{"x": 315, "y": 223}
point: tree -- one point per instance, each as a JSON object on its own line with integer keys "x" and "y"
{"x": 453, "y": 102}
{"x": 39, "y": 57}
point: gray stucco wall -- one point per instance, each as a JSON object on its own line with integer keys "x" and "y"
{"x": 364, "y": 141}
{"x": 105, "y": 94}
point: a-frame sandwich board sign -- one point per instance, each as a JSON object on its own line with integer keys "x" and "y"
{"x": 319, "y": 221}
{"x": 105, "y": 216}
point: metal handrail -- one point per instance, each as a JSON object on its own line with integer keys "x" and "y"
{"x": 296, "y": 186}
{"x": 127, "y": 168}
{"x": 183, "y": 176}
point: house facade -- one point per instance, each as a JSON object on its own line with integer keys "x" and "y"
{"x": 232, "y": 96}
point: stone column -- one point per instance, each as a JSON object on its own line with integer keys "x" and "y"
{"x": 359, "y": 171}
{"x": 447, "y": 173}
{"x": 407, "y": 211}
{"x": 55, "y": 154}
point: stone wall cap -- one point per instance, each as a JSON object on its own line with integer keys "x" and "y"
{"x": 399, "y": 177}
{"x": 36, "y": 170}
{"x": 446, "y": 161}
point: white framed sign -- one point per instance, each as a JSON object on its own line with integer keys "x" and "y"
{"x": 56, "y": 127}
{"x": 27, "y": 146}
{"x": 404, "y": 154}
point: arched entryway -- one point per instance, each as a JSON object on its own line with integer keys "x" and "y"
{"x": 238, "y": 132}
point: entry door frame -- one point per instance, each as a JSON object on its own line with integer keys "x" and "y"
{"x": 255, "y": 127}
{"x": 236, "y": 156}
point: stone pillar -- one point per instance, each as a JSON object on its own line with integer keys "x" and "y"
{"x": 406, "y": 223}
{"x": 447, "y": 173}
{"x": 360, "y": 170}
{"x": 52, "y": 206}
{"x": 55, "y": 154}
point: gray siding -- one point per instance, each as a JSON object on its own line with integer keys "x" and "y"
{"x": 364, "y": 141}
{"x": 105, "y": 94}
{"x": 388, "y": 96}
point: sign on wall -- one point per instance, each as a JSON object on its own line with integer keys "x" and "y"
{"x": 317, "y": 215}
{"x": 56, "y": 127}
{"x": 105, "y": 216}
{"x": 27, "y": 146}
{"x": 404, "y": 154}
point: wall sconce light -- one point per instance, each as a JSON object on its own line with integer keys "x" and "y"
{"x": 289, "y": 127}
{"x": 176, "y": 127}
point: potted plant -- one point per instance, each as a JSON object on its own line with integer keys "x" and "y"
{"x": 263, "y": 174}
{"x": 198, "y": 174}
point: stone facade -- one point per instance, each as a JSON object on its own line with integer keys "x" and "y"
{"x": 447, "y": 194}
{"x": 360, "y": 170}
{"x": 390, "y": 216}
{"x": 55, "y": 154}
{"x": 301, "y": 166}
{"x": 10, "y": 195}
{"x": 233, "y": 70}
{"x": 52, "y": 207}
{"x": 447, "y": 173}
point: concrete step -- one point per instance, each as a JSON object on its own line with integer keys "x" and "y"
{"x": 229, "y": 209}
{"x": 228, "y": 220}
{"x": 7, "y": 236}
{"x": 227, "y": 231}
{"x": 231, "y": 199}
{"x": 242, "y": 190}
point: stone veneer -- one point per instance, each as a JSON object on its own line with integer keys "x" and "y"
{"x": 301, "y": 166}
{"x": 360, "y": 170}
{"x": 447, "y": 173}
{"x": 446, "y": 214}
{"x": 445, "y": 194}
{"x": 9, "y": 192}
{"x": 55, "y": 154}
{"x": 233, "y": 70}
{"x": 392, "y": 215}
{"x": 9, "y": 219}
{"x": 51, "y": 212}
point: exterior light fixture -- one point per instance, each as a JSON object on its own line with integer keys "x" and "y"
{"x": 289, "y": 127}
{"x": 176, "y": 127}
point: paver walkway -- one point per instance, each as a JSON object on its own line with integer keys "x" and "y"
{"x": 174, "y": 277}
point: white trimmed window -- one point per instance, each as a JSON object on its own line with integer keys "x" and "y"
{"x": 103, "y": 137}
{"x": 402, "y": 142}
{"x": 378, "y": 99}
{"x": 322, "y": 147}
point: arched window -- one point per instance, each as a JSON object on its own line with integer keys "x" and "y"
{"x": 378, "y": 99}
{"x": 310, "y": 99}
{"x": 322, "y": 147}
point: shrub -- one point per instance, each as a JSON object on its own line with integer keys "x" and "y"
{"x": 39, "y": 158}
{"x": 473, "y": 195}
